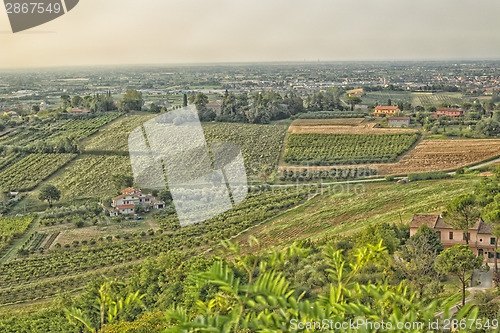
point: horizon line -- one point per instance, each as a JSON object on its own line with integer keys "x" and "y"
{"x": 236, "y": 63}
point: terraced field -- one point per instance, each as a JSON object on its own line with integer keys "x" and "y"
{"x": 423, "y": 99}
{"x": 430, "y": 99}
{"x": 352, "y": 209}
{"x": 340, "y": 126}
{"x": 432, "y": 155}
{"x": 337, "y": 149}
{"x": 106, "y": 154}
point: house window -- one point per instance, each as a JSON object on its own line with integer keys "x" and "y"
{"x": 492, "y": 240}
{"x": 498, "y": 255}
{"x": 439, "y": 234}
{"x": 468, "y": 236}
{"x": 451, "y": 235}
{"x": 480, "y": 252}
{"x": 490, "y": 255}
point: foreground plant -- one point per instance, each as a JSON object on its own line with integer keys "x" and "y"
{"x": 267, "y": 303}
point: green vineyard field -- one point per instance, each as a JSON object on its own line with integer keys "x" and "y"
{"x": 12, "y": 227}
{"x": 26, "y": 174}
{"x": 338, "y": 149}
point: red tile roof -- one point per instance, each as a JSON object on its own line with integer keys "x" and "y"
{"x": 216, "y": 103}
{"x": 443, "y": 225}
{"x": 384, "y": 108}
{"x": 126, "y": 207}
{"x": 129, "y": 190}
{"x": 428, "y": 219}
{"x": 447, "y": 109}
{"x": 437, "y": 222}
{"x": 399, "y": 118}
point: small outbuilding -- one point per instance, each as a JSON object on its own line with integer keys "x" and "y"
{"x": 399, "y": 121}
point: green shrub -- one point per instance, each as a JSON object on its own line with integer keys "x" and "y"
{"x": 427, "y": 175}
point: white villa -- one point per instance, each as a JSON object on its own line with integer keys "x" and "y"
{"x": 130, "y": 198}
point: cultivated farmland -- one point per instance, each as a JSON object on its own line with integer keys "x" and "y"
{"x": 433, "y": 155}
{"x": 430, "y": 99}
{"x": 49, "y": 132}
{"x": 329, "y": 122}
{"x": 441, "y": 155}
{"x": 260, "y": 144}
{"x": 255, "y": 209}
{"x": 348, "y": 210}
{"x": 11, "y": 227}
{"x": 106, "y": 154}
{"x": 26, "y": 174}
{"x": 340, "y": 126}
{"x": 337, "y": 149}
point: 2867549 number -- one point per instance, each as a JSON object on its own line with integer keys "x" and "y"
{"x": 32, "y": 8}
{"x": 455, "y": 324}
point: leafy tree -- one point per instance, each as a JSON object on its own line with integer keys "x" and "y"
{"x": 165, "y": 196}
{"x": 487, "y": 128}
{"x": 429, "y": 236}
{"x": 416, "y": 261}
{"x": 76, "y": 101}
{"x": 496, "y": 116}
{"x": 50, "y": 194}
{"x": 204, "y": 113}
{"x": 486, "y": 191}
{"x": 461, "y": 213}
{"x": 132, "y": 101}
{"x": 66, "y": 99}
{"x": 110, "y": 306}
{"x": 122, "y": 181}
{"x": 459, "y": 260}
{"x": 381, "y": 232}
{"x": 261, "y": 299}
{"x": 353, "y": 101}
{"x": 153, "y": 108}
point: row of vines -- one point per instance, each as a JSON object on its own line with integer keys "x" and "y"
{"x": 338, "y": 149}
{"x": 12, "y": 227}
{"x": 60, "y": 262}
{"x": 332, "y": 174}
{"x": 26, "y": 174}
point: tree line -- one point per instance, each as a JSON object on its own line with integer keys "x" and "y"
{"x": 263, "y": 107}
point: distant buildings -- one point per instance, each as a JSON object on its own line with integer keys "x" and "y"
{"x": 450, "y": 112}
{"x": 399, "y": 121}
{"x": 481, "y": 240}
{"x": 356, "y": 92}
{"x": 386, "y": 110}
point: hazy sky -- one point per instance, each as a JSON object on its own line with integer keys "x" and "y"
{"x": 186, "y": 31}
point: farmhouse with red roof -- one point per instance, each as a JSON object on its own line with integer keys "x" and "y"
{"x": 481, "y": 240}
{"x": 126, "y": 203}
{"x": 450, "y": 112}
{"x": 386, "y": 110}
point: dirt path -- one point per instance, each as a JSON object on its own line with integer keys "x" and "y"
{"x": 283, "y": 148}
